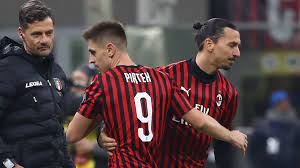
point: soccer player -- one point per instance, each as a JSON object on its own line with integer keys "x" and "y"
{"x": 208, "y": 90}
{"x": 134, "y": 101}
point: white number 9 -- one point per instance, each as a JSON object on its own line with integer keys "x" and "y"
{"x": 139, "y": 113}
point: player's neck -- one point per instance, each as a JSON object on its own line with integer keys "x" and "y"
{"x": 205, "y": 64}
{"x": 124, "y": 59}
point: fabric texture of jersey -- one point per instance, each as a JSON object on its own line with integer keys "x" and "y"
{"x": 213, "y": 95}
{"x": 134, "y": 102}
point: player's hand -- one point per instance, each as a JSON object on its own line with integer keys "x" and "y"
{"x": 107, "y": 143}
{"x": 239, "y": 140}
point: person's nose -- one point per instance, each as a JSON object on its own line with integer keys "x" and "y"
{"x": 236, "y": 52}
{"x": 91, "y": 59}
{"x": 45, "y": 39}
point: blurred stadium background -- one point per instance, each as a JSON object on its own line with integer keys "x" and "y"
{"x": 160, "y": 32}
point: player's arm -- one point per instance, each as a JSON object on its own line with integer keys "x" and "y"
{"x": 87, "y": 118}
{"x": 79, "y": 128}
{"x": 205, "y": 123}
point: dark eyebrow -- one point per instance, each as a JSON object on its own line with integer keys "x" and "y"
{"x": 92, "y": 51}
{"x": 234, "y": 43}
{"x": 36, "y": 33}
{"x": 49, "y": 31}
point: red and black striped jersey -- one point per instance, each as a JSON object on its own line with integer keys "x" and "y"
{"x": 211, "y": 94}
{"x": 135, "y": 103}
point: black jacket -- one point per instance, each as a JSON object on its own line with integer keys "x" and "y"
{"x": 31, "y": 91}
{"x": 275, "y": 144}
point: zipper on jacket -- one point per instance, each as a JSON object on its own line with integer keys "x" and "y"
{"x": 34, "y": 99}
{"x": 49, "y": 74}
{"x": 49, "y": 82}
{"x": 52, "y": 94}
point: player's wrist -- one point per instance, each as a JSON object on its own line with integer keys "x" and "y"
{"x": 230, "y": 137}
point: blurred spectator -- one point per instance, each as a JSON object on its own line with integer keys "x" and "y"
{"x": 79, "y": 80}
{"x": 86, "y": 153}
{"x": 83, "y": 154}
{"x": 273, "y": 143}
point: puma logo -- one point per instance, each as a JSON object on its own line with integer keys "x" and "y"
{"x": 186, "y": 91}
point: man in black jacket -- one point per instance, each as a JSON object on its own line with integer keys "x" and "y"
{"x": 275, "y": 139}
{"x": 31, "y": 90}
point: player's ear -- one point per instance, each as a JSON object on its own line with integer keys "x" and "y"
{"x": 21, "y": 33}
{"x": 209, "y": 44}
{"x": 111, "y": 49}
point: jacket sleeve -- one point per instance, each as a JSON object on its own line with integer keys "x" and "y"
{"x": 5, "y": 151}
{"x": 7, "y": 92}
{"x": 68, "y": 162}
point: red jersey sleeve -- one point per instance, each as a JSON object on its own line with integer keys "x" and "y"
{"x": 91, "y": 104}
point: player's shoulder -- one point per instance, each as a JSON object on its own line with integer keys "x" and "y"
{"x": 155, "y": 70}
{"x": 113, "y": 73}
{"x": 172, "y": 67}
{"x": 227, "y": 82}
{"x": 175, "y": 64}
{"x": 97, "y": 78}
{"x": 158, "y": 72}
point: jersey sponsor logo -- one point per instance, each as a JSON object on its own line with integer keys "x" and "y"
{"x": 202, "y": 109}
{"x": 199, "y": 107}
{"x": 185, "y": 90}
{"x": 33, "y": 84}
{"x": 219, "y": 99}
{"x": 58, "y": 84}
{"x": 137, "y": 77}
{"x": 181, "y": 121}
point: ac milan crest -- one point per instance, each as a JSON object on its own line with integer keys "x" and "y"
{"x": 219, "y": 99}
